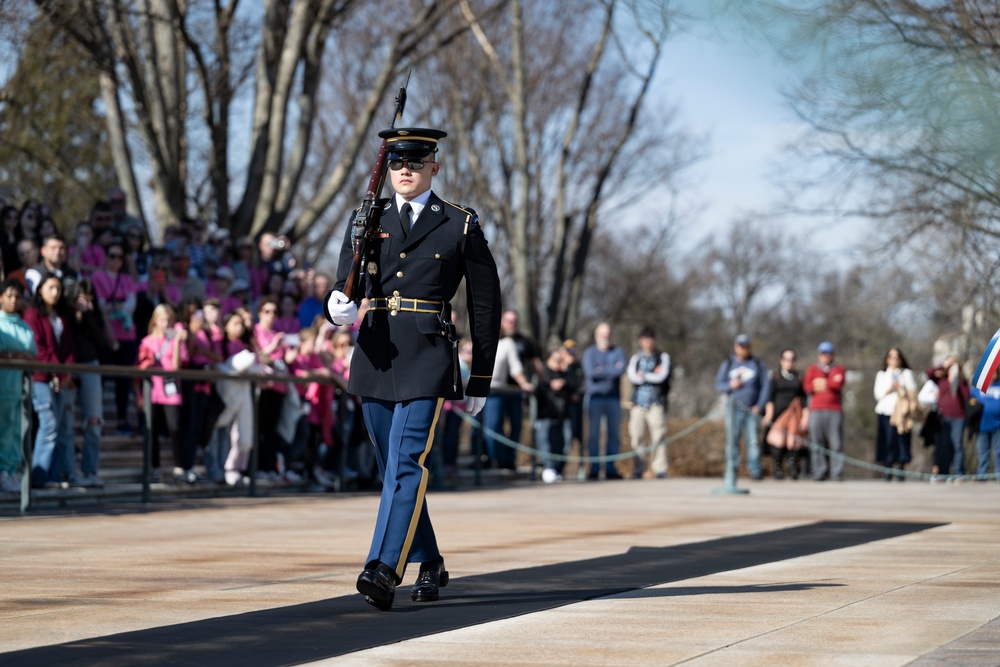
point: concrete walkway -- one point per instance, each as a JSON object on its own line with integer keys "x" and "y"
{"x": 653, "y": 572}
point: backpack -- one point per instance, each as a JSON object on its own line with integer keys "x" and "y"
{"x": 665, "y": 385}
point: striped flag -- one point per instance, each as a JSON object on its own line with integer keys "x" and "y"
{"x": 988, "y": 364}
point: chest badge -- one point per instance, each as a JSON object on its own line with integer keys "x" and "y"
{"x": 372, "y": 268}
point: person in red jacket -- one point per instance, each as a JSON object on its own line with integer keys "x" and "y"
{"x": 54, "y": 394}
{"x": 823, "y": 383}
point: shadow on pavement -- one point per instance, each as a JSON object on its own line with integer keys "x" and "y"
{"x": 328, "y": 628}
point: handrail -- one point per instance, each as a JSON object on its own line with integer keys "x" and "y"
{"x": 180, "y": 373}
{"x": 28, "y": 366}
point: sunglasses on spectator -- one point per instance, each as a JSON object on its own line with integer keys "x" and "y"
{"x": 114, "y": 255}
{"x": 412, "y": 165}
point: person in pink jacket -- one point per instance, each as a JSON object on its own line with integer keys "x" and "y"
{"x": 165, "y": 348}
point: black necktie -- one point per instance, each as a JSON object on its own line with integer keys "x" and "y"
{"x": 404, "y": 218}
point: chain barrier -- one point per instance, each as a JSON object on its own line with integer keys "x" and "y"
{"x": 933, "y": 478}
{"x": 714, "y": 414}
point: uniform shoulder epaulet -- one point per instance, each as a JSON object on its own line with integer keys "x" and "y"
{"x": 471, "y": 215}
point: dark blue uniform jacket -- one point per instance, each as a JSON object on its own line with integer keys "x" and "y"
{"x": 405, "y": 356}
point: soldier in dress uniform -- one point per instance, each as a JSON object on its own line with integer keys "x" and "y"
{"x": 405, "y": 364}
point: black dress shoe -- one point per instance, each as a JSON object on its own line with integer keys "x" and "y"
{"x": 378, "y": 585}
{"x": 432, "y": 577}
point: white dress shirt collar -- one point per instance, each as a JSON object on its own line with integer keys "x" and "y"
{"x": 417, "y": 204}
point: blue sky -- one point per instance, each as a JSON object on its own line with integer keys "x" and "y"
{"x": 731, "y": 89}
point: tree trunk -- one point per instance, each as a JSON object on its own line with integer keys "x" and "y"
{"x": 119, "y": 147}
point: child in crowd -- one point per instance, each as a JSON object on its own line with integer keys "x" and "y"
{"x": 164, "y": 347}
{"x": 195, "y": 395}
{"x": 210, "y": 337}
{"x": 235, "y": 425}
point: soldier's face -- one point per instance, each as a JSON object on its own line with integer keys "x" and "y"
{"x": 410, "y": 183}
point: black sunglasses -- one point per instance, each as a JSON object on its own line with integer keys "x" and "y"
{"x": 412, "y": 165}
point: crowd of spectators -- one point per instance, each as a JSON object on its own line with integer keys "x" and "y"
{"x": 202, "y": 299}
{"x": 199, "y": 300}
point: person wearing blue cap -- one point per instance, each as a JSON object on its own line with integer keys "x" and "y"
{"x": 823, "y": 384}
{"x": 747, "y": 385}
{"x": 406, "y": 360}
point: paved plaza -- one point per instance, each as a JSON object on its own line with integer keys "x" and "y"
{"x": 653, "y": 572}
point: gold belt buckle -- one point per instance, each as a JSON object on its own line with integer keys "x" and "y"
{"x": 392, "y": 303}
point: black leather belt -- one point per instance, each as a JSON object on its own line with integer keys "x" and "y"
{"x": 395, "y": 304}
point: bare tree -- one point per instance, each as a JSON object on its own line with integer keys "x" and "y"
{"x": 751, "y": 270}
{"x": 904, "y": 101}
{"x": 149, "y": 50}
{"x": 556, "y": 142}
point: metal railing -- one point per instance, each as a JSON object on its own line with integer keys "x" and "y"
{"x": 146, "y": 375}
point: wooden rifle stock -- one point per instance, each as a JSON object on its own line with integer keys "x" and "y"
{"x": 369, "y": 216}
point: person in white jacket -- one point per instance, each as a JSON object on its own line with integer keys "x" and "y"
{"x": 648, "y": 370}
{"x": 892, "y": 448}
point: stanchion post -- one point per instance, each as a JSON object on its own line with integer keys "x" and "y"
{"x": 532, "y": 418}
{"x": 345, "y": 440}
{"x": 477, "y": 448}
{"x": 147, "y": 440}
{"x": 255, "y": 452}
{"x": 26, "y": 444}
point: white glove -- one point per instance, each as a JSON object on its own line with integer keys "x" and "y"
{"x": 341, "y": 309}
{"x": 474, "y": 404}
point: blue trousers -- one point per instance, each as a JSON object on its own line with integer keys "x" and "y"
{"x": 403, "y": 434}
{"x": 610, "y": 409}
{"x": 986, "y": 442}
{"x": 498, "y": 406}
{"x": 54, "y": 455}
{"x": 740, "y": 421}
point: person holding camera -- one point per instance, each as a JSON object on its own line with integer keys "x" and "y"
{"x": 165, "y": 348}
{"x": 276, "y": 254}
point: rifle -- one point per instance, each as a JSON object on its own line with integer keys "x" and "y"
{"x": 369, "y": 215}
